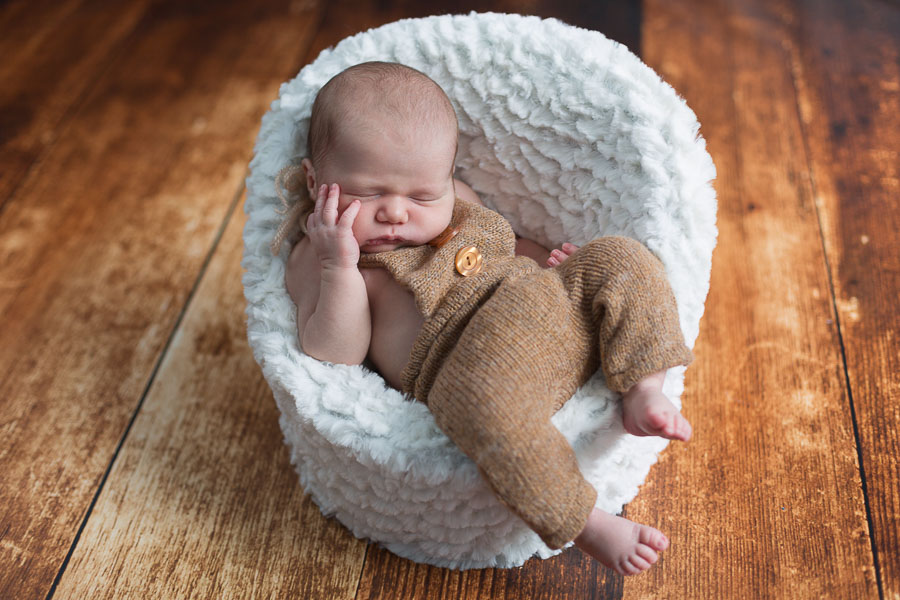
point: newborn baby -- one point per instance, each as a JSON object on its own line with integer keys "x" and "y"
{"x": 402, "y": 266}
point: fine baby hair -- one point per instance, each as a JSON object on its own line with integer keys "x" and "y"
{"x": 570, "y": 137}
{"x": 368, "y": 83}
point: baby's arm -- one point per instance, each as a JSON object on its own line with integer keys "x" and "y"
{"x": 333, "y": 319}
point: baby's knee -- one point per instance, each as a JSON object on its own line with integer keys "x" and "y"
{"x": 618, "y": 248}
{"x": 612, "y": 257}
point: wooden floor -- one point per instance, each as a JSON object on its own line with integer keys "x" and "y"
{"x": 140, "y": 454}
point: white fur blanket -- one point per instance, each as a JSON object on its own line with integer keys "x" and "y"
{"x": 568, "y": 135}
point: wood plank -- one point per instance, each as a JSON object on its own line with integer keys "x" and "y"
{"x": 345, "y": 18}
{"x": 619, "y": 21}
{"x": 766, "y": 500}
{"x": 52, "y": 52}
{"x": 202, "y": 501}
{"x": 846, "y": 60}
{"x": 571, "y": 575}
{"x": 101, "y": 245}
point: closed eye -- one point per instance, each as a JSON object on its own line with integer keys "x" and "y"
{"x": 415, "y": 198}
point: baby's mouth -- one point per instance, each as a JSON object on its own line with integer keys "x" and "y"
{"x": 385, "y": 240}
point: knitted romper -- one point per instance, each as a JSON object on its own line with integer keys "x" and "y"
{"x": 502, "y": 350}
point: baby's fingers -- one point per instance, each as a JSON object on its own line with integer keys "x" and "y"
{"x": 330, "y": 212}
{"x": 320, "y": 202}
{"x": 569, "y": 248}
{"x": 349, "y": 215}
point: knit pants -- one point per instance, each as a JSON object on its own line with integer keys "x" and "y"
{"x": 528, "y": 348}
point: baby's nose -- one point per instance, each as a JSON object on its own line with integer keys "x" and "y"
{"x": 393, "y": 210}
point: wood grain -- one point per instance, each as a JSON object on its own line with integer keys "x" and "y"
{"x": 846, "y": 61}
{"x": 202, "y": 501}
{"x": 125, "y": 130}
{"x": 52, "y": 52}
{"x": 766, "y": 500}
{"x": 101, "y": 245}
{"x": 571, "y": 575}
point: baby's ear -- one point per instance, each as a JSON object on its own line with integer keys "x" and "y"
{"x": 309, "y": 171}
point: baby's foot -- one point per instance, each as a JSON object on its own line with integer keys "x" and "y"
{"x": 648, "y": 412}
{"x": 558, "y": 256}
{"x": 620, "y": 544}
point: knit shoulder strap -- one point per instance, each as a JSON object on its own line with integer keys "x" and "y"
{"x": 429, "y": 271}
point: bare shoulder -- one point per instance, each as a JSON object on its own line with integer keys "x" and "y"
{"x": 464, "y": 192}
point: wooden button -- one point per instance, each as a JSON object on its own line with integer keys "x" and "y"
{"x": 444, "y": 237}
{"x": 469, "y": 261}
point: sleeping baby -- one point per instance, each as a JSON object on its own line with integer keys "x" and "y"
{"x": 402, "y": 267}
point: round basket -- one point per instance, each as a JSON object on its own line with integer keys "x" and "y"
{"x": 569, "y": 136}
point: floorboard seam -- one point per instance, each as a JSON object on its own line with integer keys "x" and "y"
{"x": 150, "y": 381}
{"x": 795, "y": 60}
{"x": 362, "y": 569}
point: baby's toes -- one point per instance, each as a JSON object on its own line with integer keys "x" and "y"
{"x": 653, "y": 538}
{"x": 683, "y": 429}
{"x": 678, "y": 428}
{"x": 647, "y": 553}
{"x": 556, "y": 257}
{"x": 638, "y": 563}
{"x": 627, "y": 568}
{"x": 659, "y": 421}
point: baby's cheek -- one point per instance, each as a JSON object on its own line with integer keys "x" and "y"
{"x": 360, "y": 228}
{"x": 343, "y": 203}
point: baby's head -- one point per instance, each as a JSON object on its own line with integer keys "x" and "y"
{"x": 387, "y": 135}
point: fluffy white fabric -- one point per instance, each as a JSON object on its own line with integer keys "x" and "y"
{"x": 570, "y": 136}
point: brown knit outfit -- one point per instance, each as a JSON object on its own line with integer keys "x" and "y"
{"x": 501, "y": 351}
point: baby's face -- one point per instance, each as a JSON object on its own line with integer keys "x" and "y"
{"x": 402, "y": 177}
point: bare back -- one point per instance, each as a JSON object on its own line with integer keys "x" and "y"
{"x": 396, "y": 321}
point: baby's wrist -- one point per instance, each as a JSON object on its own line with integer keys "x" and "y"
{"x": 338, "y": 270}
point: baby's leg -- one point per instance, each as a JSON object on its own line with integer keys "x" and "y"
{"x": 620, "y": 544}
{"x": 494, "y": 397}
{"x": 647, "y": 411}
{"x": 626, "y": 299}
{"x": 495, "y": 394}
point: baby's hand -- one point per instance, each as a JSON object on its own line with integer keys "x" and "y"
{"x": 330, "y": 235}
{"x": 558, "y": 256}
